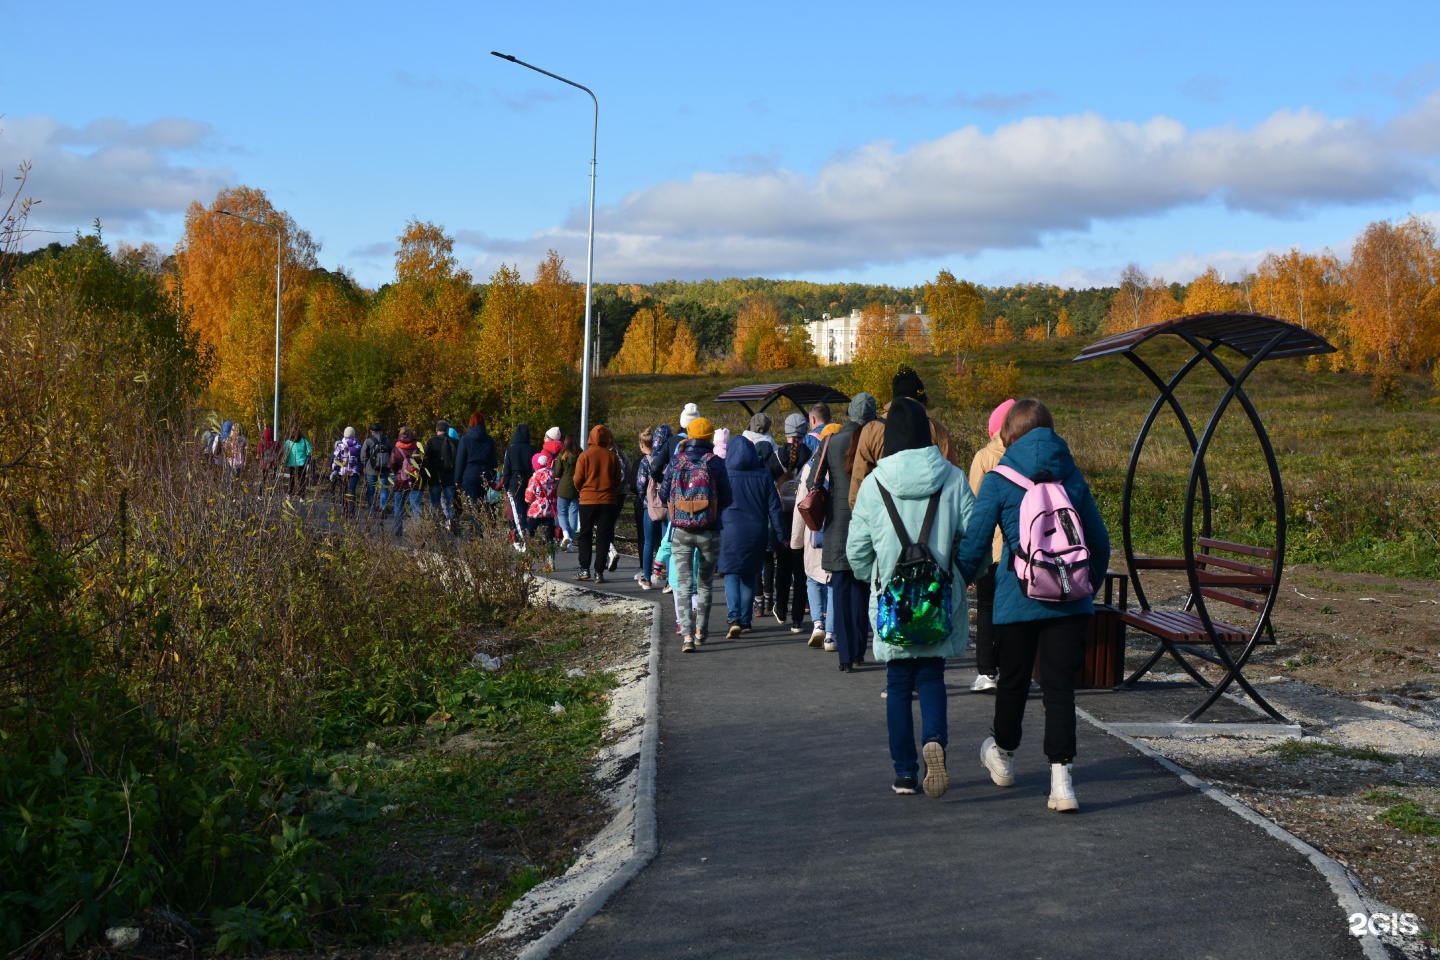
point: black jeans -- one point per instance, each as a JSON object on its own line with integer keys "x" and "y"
{"x": 985, "y": 661}
{"x": 1061, "y": 643}
{"x": 790, "y": 584}
{"x": 597, "y": 527}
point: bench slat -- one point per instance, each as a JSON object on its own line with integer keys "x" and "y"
{"x": 1245, "y": 602}
{"x": 1160, "y": 563}
{"x": 1255, "y": 584}
{"x": 1210, "y": 560}
{"x": 1180, "y": 626}
{"x": 1229, "y": 547}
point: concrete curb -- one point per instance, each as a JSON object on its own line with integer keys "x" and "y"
{"x": 646, "y": 843}
{"x": 1348, "y": 892}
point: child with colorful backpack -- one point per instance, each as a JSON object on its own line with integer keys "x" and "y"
{"x": 911, "y": 512}
{"x": 696, "y": 491}
{"x": 1056, "y": 548}
{"x": 540, "y": 496}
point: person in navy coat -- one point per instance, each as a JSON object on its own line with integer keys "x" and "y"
{"x": 750, "y": 526}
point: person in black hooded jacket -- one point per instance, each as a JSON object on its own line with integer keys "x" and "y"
{"x": 475, "y": 460}
{"x": 517, "y": 462}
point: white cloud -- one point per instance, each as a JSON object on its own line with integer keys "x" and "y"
{"x": 130, "y": 176}
{"x": 971, "y": 191}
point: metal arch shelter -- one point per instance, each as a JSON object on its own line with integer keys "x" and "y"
{"x": 1256, "y": 338}
{"x": 802, "y": 395}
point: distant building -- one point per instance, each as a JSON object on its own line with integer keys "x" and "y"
{"x": 834, "y": 337}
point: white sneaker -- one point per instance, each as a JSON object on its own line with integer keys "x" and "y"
{"x": 982, "y": 683}
{"x": 1000, "y": 763}
{"x": 829, "y": 644}
{"x": 1062, "y": 789}
{"x": 817, "y": 637}
{"x": 936, "y": 781}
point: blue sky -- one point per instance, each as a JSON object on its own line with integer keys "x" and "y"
{"x": 834, "y": 141}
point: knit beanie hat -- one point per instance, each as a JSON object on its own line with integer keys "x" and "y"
{"x": 795, "y": 425}
{"x": 722, "y": 441}
{"x": 760, "y": 423}
{"x": 350, "y": 433}
{"x": 907, "y": 383}
{"x": 862, "y": 408}
{"x": 553, "y": 433}
{"x": 907, "y": 426}
{"x": 540, "y": 460}
{"x": 699, "y": 428}
{"x": 997, "y": 416}
{"x": 687, "y": 415}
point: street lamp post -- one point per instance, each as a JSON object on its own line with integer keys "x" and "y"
{"x": 279, "y": 249}
{"x": 589, "y": 247}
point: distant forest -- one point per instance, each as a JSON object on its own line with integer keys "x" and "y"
{"x": 710, "y": 306}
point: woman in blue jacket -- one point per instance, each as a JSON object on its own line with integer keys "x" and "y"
{"x": 750, "y": 525}
{"x": 1022, "y": 625}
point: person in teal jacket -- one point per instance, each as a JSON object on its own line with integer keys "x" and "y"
{"x": 297, "y": 461}
{"x": 912, "y": 471}
{"x": 1024, "y": 626}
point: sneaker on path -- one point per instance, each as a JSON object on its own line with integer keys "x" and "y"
{"x": 1000, "y": 763}
{"x": 613, "y": 563}
{"x": 829, "y": 644}
{"x": 796, "y": 628}
{"x": 817, "y": 636}
{"x": 688, "y": 646}
{"x": 733, "y": 633}
{"x": 937, "y": 781}
{"x": 905, "y": 786}
{"x": 667, "y": 589}
{"x": 1062, "y": 789}
{"x": 583, "y": 575}
{"x": 982, "y": 683}
{"x": 645, "y": 585}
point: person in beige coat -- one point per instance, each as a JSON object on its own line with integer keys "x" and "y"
{"x": 870, "y": 446}
{"x": 986, "y": 664}
{"x": 817, "y": 578}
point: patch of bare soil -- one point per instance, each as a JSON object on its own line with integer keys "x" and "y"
{"x": 1357, "y": 664}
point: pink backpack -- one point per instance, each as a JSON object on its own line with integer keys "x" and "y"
{"x": 1052, "y": 562}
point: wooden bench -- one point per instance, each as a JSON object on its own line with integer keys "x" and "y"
{"x": 1222, "y": 579}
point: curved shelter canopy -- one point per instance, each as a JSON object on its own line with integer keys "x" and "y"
{"x": 1242, "y": 575}
{"x": 802, "y": 394}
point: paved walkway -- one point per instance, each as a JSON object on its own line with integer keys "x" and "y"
{"x": 780, "y": 837}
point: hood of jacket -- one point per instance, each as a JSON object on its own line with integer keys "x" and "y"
{"x": 268, "y": 435}
{"x": 740, "y": 455}
{"x": 522, "y": 435}
{"x": 406, "y": 447}
{"x": 552, "y": 448}
{"x": 600, "y": 436}
{"x": 912, "y": 474}
{"x": 754, "y": 437}
{"x": 1040, "y": 451}
{"x": 660, "y": 443}
{"x": 477, "y": 432}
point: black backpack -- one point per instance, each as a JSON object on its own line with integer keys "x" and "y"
{"x": 447, "y": 455}
{"x": 379, "y": 457}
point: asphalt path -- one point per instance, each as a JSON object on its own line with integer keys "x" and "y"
{"x": 780, "y": 836}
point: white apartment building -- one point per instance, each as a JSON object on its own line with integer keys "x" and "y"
{"x": 834, "y": 337}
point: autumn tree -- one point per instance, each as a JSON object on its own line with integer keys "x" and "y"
{"x": 758, "y": 319}
{"x": 1002, "y": 332}
{"x": 564, "y": 304}
{"x": 1304, "y": 288}
{"x": 955, "y": 308}
{"x": 1063, "y": 328}
{"x": 1209, "y": 293}
{"x": 1394, "y": 322}
{"x": 525, "y": 375}
{"x": 226, "y": 269}
{"x": 881, "y": 349}
{"x": 648, "y": 342}
{"x": 684, "y": 353}
{"x": 1140, "y": 301}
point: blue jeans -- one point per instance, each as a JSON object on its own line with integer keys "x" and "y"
{"x": 819, "y": 608}
{"x": 444, "y": 498}
{"x": 739, "y": 597}
{"x": 568, "y": 517}
{"x": 924, "y": 676}
{"x": 401, "y": 496}
{"x": 374, "y": 482}
{"x": 653, "y": 530}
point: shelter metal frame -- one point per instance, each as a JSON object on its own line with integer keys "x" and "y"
{"x": 802, "y": 394}
{"x": 1256, "y": 338}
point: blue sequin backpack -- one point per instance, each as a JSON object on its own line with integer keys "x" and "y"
{"x": 913, "y": 608}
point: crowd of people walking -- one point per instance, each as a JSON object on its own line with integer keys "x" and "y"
{"x": 862, "y": 530}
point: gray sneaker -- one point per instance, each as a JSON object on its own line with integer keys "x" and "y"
{"x": 937, "y": 781}
{"x": 688, "y": 646}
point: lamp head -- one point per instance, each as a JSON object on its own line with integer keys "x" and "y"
{"x": 502, "y": 56}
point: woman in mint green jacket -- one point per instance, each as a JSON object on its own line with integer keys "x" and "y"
{"x": 297, "y": 461}
{"x": 913, "y": 471}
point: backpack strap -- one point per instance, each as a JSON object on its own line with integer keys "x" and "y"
{"x": 930, "y": 511}
{"x": 1014, "y": 476}
{"x": 899, "y": 524}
